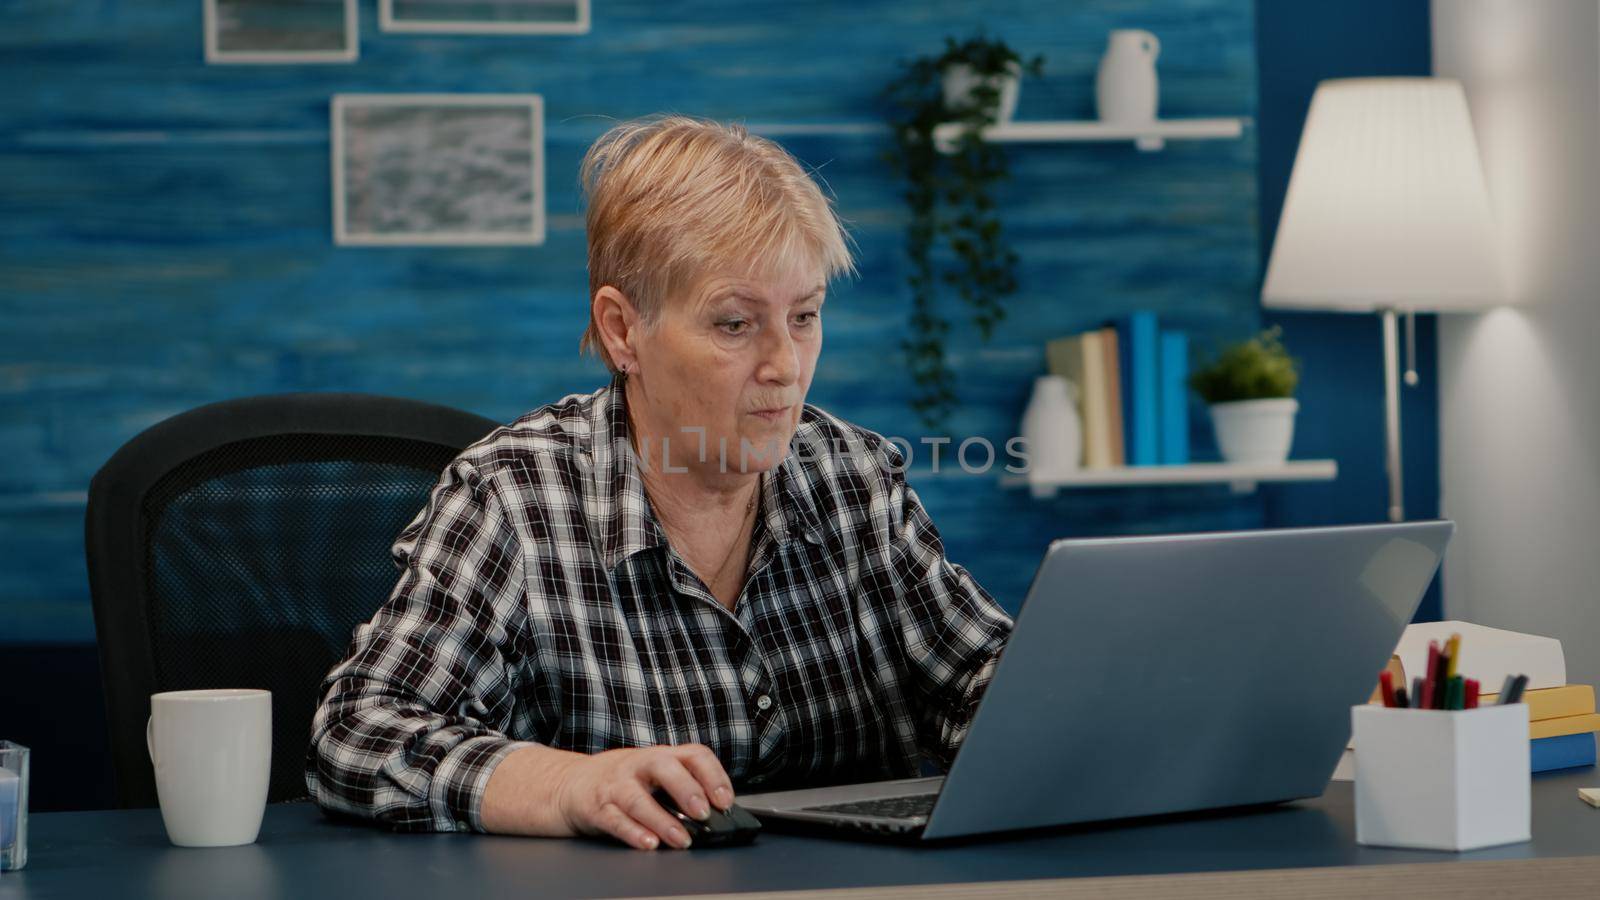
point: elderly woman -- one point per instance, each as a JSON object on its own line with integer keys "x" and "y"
{"x": 687, "y": 580}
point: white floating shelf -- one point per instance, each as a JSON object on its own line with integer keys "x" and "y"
{"x": 1148, "y": 136}
{"x": 1242, "y": 477}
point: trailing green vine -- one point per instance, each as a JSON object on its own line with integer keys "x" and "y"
{"x": 949, "y": 191}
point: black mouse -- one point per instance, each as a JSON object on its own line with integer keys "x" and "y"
{"x": 724, "y": 828}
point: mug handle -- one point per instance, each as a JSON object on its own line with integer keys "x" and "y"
{"x": 149, "y": 742}
{"x": 1153, "y": 45}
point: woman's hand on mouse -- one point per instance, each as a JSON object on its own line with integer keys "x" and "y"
{"x": 609, "y": 792}
{"x": 541, "y": 791}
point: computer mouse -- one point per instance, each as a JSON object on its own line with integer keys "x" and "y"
{"x": 724, "y": 828}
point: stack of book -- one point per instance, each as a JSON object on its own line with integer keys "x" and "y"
{"x": 1562, "y": 725}
{"x": 1562, "y": 719}
{"x": 1133, "y": 394}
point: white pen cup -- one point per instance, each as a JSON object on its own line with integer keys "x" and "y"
{"x": 1438, "y": 779}
{"x": 212, "y": 753}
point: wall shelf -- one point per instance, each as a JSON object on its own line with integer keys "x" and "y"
{"x": 1147, "y": 136}
{"x": 1242, "y": 477}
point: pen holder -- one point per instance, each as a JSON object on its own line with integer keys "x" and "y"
{"x": 1441, "y": 779}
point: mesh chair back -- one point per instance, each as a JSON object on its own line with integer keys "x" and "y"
{"x": 239, "y": 544}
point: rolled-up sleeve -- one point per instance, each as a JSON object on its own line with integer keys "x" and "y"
{"x": 952, "y": 630}
{"x": 413, "y": 722}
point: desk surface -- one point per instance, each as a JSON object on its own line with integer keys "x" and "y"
{"x": 125, "y": 853}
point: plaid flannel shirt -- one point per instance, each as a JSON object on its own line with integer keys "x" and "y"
{"x": 539, "y": 600}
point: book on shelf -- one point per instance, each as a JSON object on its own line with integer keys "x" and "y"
{"x": 1132, "y": 380}
{"x": 1139, "y": 349}
{"x": 1173, "y": 397}
{"x": 1115, "y": 428}
{"x": 1079, "y": 358}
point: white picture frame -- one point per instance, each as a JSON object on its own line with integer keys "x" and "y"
{"x": 398, "y": 188}
{"x": 392, "y": 19}
{"x": 216, "y": 23}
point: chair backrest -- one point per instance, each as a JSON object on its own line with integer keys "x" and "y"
{"x": 239, "y": 544}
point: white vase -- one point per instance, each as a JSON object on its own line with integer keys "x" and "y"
{"x": 1052, "y": 429}
{"x": 959, "y": 80}
{"x": 1125, "y": 88}
{"x": 1255, "y": 431}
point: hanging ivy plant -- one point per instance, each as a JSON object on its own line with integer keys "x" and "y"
{"x": 949, "y": 190}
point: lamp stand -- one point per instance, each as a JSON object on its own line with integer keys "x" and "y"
{"x": 1391, "y": 402}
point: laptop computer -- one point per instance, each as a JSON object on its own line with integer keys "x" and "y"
{"x": 1162, "y": 674}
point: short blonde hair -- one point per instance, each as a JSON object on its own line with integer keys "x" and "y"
{"x": 674, "y": 199}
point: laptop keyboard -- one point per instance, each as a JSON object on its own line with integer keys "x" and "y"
{"x": 886, "y": 807}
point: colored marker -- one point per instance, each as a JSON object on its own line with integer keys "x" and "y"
{"x": 1441, "y": 682}
{"x": 1514, "y": 694}
{"x": 1428, "y": 687}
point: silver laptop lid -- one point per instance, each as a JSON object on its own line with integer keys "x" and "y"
{"x": 1180, "y": 672}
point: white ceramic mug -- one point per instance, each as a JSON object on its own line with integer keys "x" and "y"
{"x": 212, "y": 752}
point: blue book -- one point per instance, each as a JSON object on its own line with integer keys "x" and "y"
{"x": 1565, "y": 752}
{"x": 1174, "y": 398}
{"x": 1141, "y": 412}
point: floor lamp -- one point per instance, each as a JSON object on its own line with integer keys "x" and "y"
{"x": 1387, "y": 212}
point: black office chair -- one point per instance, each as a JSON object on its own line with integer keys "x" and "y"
{"x": 238, "y": 545}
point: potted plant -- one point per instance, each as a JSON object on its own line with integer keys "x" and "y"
{"x": 949, "y": 188}
{"x": 989, "y": 66}
{"x": 1250, "y": 390}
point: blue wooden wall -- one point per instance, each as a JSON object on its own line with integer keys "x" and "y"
{"x": 165, "y": 238}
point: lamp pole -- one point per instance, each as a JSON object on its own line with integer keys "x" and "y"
{"x": 1391, "y": 403}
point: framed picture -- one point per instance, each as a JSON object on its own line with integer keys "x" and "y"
{"x": 438, "y": 169}
{"x": 485, "y": 16}
{"x": 280, "y": 31}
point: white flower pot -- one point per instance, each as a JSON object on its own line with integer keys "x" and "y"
{"x": 959, "y": 80}
{"x": 1126, "y": 88}
{"x": 1255, "y": 431}
{"x": 1052, "y": 429}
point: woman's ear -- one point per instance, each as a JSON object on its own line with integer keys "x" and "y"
{"x": 617, "y": 322}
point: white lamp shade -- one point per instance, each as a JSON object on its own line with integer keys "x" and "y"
{"x": 1387, "y": 205}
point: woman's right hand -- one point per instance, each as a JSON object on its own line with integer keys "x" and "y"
{"x": 609, "y": 792}
{"x": 539, "y": 790}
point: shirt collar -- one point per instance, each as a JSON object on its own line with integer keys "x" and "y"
{"x": 621, "y": 509}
